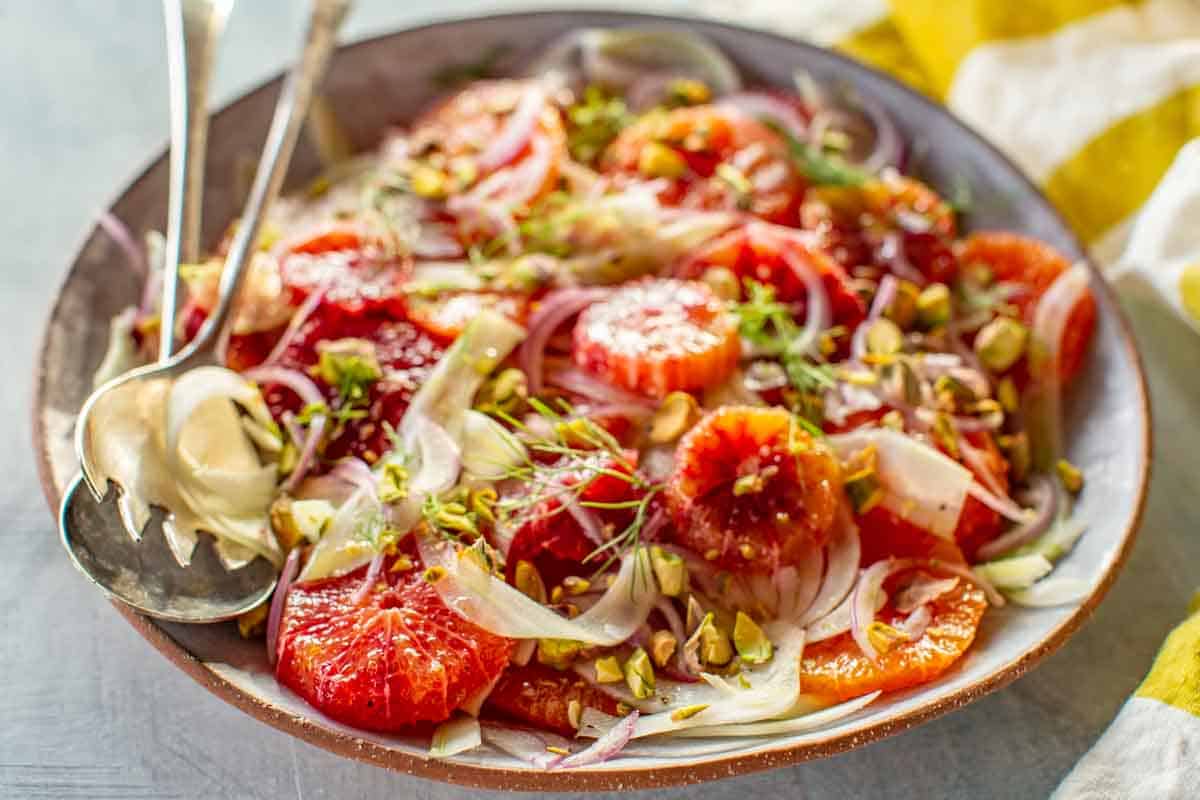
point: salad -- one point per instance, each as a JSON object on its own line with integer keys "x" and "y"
{"x": 619, "y": 401}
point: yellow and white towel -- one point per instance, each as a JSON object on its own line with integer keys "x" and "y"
{"x": 1094, "y": 99}
{"x": 1099, "y": 102}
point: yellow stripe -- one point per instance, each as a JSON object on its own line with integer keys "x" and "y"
{"x": 1114, "y": 174}
{"x": 881, "y": 46}
{"x": 940, "y": 33}
{"x": 1175, "y": 677}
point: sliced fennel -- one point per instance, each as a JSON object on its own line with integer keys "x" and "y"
{"x": 1018, "y": 572}
{"x": 1056, "y": 542}
{"x": 121, "y": 355}
{"x": 456, "y": 736}
{"x": 805, "y": 719}
{"x": 1052, "y": 591}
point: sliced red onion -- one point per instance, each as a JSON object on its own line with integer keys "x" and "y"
{"x": 762, "y": 104}
{"x": 1002, "y": 505}
{"x": 888, "y": 149}
{"x": 527, "y": 745}
{"x": 808, "y": 584}
{"x": 1050, "y": 319}
{"x": 666, "y": 607}
{"x": 842, "y": 555}
{"x": 1045, "y": 506}
{"x": 924, "y": 589}
{"x": 605, "y": 747}
{"x": 515, "y": 133}
{"x": 994, "y": 597}
{"x": 372, "y": 575}
{"x": 838, "y": 621}
{"x": 633, "y": 413}
{"x": 298, "y": 319}
{"x": 555, "y": 309}
{"x": 864, "y": 602}
{"x": 565, "y": 375}
{"x": 439, "y": 459}
{"x": 119, "y": 232}
{"x": 309, "y": 394}
{"x": 487, "y": 215}
{"x": 587, "y": 521}
{"x": 434, "y": 241}
{"x": 288, "y": 574}
{"x": 891, "y": 253}
{"x": 884, "y": 295}
{"x": 354, "y": 471}
{"x": 913, "y": 626}
{"x": 817, "y": 315}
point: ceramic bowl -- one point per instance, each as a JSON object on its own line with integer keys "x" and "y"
{"x": 384, "y": 81}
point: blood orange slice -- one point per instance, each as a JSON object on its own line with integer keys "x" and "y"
{"x": 542, "y": 696}
{"x": 447, "y": 315}
{"x": 394, "y": 658}
{"x": 658, "y": 336}
{"x": 751, "y": 489}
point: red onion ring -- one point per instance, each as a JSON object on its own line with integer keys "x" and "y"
{"x": 891, "y": 254}
{"x": 1001, "y": 504}
{"x": 863, "y": 602}
{"x": 124, "y": 239}
{"x": 842, "y": 555}
{"x": 527, "y": 745}
{"x": 565, "y": 375}
{"x": 309, "y": 394}
{"x": 888, "y": 149}
{"x": 555, "y": 309}
{"x": 604, "y": 748}
{"x": 1046, "y": 507}
{"x": 884, "y": 295}
{"x": 762, "y": 104}
{"x": 298, "y": 319}
{"x": 923, "y": 590}
{"x": 288, "y": 574}
{"x": 369, "y": 579}
{"x": 515, "y": 132}
{"x": 354, "y": 471}
{"x": 587, "y": 521}
{"x": 817, "y": 314}
{"x": 916, "y": 623}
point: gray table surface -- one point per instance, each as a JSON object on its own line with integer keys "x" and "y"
{"x": 88, "y": 709}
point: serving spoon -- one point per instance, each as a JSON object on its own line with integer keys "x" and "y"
{"x": 143, "y": 572}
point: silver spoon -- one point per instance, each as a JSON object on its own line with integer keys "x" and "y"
{"x": 145, "y": 574}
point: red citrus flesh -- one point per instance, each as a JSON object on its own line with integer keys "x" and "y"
{"x": 542, "y": 696}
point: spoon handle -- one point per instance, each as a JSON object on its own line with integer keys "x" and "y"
{"x": 290, "y": 112}
{"x": 193, "y": 30}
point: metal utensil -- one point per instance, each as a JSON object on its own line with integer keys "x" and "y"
{"x": 143, "y": 573}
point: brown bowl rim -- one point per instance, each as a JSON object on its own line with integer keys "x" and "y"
{"x": 347, "y": 745}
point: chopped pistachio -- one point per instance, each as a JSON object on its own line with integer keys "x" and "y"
{"x": 556, "y": 595}
{"x": 884, "y": 637}
{"x": 557, "y": 653}
{"x": 864, "y": 490}
{"x": 529, "y": 581}
{"x": 558, "y": 751}
{"x": 289, "y": 456}
{"x": 393, "y": 483}
{"x": 253, "y": 622}
{"x": 884, "y": 337}
{"x": 1006, "y": 393}
{"x": 695, "y": 614}
{"x": 426, "y": 181}
{"x": 284, "y": 524}
{"x": 677, "y": 412}
{"x": 747, "y": 551}
{"x": 933, "y": 306}
{"x": 715, "y": 648}
{"x": 662, "y": 647}
{"x": 483, "y": 503}
{"x": 657, "y": 160}
{"x": 574, "y": 713}
{"x": 1070, "y": 476}
{"x": 752, "y": 644}
{"x": 504, "y": 393}
{"x": 402, "y": 564}
{"x": 979, "y": 274}
{"x": 434, "y": 574}
{"x": 858, "y": 377}
{"x": 893, "y": 420}
{"x": 711, "y": 554}
{"x": 903, "y": 308}
{"x": 670, "y": 571}
{"x": 736, "y": 180}
{"x": 1017, "y": 450}
{"x": 639, "y": 674}
{"x": 608, "y": 670}
{"x": 687, "y": 712}
{"x": 688, "y": 92}
{"x": 755, "y": 482}
{"x": 723, "y": 282}
{"x": 945, "y": 434}
{"x": 351, "y": 365}
{"x": 576, "y": 585}
{"x": 1000, "y": 343}
{"x": 990, "y": 411}
{"x": 951, "y": 393}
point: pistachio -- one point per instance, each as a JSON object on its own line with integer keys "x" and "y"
{"x": 688, "y": 92}
{"x": 951, "y": 393}
{"x": 747, "y": 551}
{"x": 884, "y": 637}
{"x": 434, "y": 574}
{"x": 864, "y": 490}
{"x": 608, "y": 670}
{"x": 350, "y": 364}
{"x": 884, "y": 337}
{"x": 903, "y": 308}
{"x": 576, "y": 585}
{"x": 657, "y": 160}
{"x": 893, "y": 420}
{"x": 1000, "y": 343}
{"x": 1006, "y": 393}
{"x": 1070, "y": 476}
{"x": 715, "y": 648}
{"x": 504, "y": 393}
{"x": 529, "y": 582}
{"x": 933, "y": 306}
{"x": 687, "y": 712}
{"x": 393, "y": 483}
{"x": 575, "y": 713}
{"x": 695, "y": 614}
{"x": 295, "y": 521}
{"x": 723, "y": 282}
{"x": 289, "y": 455}
{"x": 426, "y": 181}
{"x": 662, "y": 647}
{"x": 945, "y": 434}
{"x": 990, "y": 412}
{"x": 677, "y": 412}
{"x": 979, "y": 274}
{"x": 753, "y": 646}
{"x": 253, "y": 622}
{"x": 711, "y": 554}
{"x": 556, "y": 595}
{"x": 557, "y": 653}
{"x": 483, "y": 503}
{"x": 639, "y": 674}
{"x": 402, "y": 564}
{"x": 670, "y": 571}
{"x": 1017, "y": 450}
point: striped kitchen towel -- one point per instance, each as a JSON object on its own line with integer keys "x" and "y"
{"x": 1097, "y": 100}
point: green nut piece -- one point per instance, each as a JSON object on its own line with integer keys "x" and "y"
{"x": 662, "y": 647}
{"x": 1016, "y": 449}
{"x": 695, "y": 614}
{"x": 393, "y": 483}
{"x": 715, "y": 648}
{"x": 427, "y": 181}
{"x": 884, "y": 337}
{"x": 1070, "y": 476}
{"x": 1006, "y": 393}
{"x": 639, "y": 674}
{"x": 723, "y": 282}
{"x": 659, "y": 161}
{"x": 529, "y": 581}
{"x": 557, "y": 653}
{"x": 687, "y": 712}
{"x": 952, "y": 393}
{"x": 349, "y": 364}
{"x": 753, "y": 646}
{"x": 1001, "y": 343}
{"x": 864, "y": 490}
{"x": 670, "y": 571}
{"x": 608, "y": 670}
{"x": 504, "y": 393}
{"x": 903, "y": 308}
{"x": 933, "y": 306}
{"x": 677, "y": 412}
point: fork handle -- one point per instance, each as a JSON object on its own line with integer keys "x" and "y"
{"x": 193, "y": 30}
{"x": 290, "y": 112}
